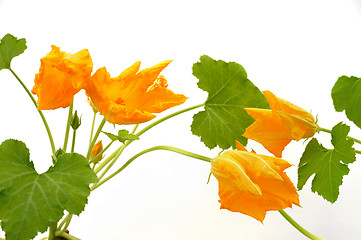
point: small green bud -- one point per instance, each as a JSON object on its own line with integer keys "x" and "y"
{"x": 75, "y": 121}
{"x": 58, "y": 153}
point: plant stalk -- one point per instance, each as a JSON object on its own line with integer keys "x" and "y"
{"x": 39, "y": 111}
{"x": 168, "y": 148}
{"x": 70, "y": 114}
{"x": 298, "y": 227}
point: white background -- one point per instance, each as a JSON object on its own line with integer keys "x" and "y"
{"x": 296, "y": 49}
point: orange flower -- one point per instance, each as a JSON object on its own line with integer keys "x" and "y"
{"x": 133, "y": 96}
{"x": 98, "y": 147}
{"x": 275, "y": 128}
{"x": 253, "y": 184}
{"x": 60, "y": 77}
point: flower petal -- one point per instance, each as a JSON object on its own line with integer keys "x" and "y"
{"x": 277, "y": 127}
{"x": 132, "y": 97}
{"x": 61, "y": 76}
{"x": 253, "y": 184}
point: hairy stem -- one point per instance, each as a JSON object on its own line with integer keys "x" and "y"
{"x": 66, "y": 235}
{"x": 168, "y": 148}
{"x": 116, "y": 156}
{"x": 298, "y": 227}
{"x": 320, "y": 129}
{"x": 52, "y": 230}
{"x": 92, "y": 129}
{"x": 39, "y": 111}
{"x": 73, "y": 141}
{"x": 67, "y": 129}
{"x": 95, "y": 138}
{"x": 167, "y": 117}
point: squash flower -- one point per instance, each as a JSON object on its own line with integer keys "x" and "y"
{"x": 133, "y": 96}
{"x": 253, "y": 184}
{"x": 275, "y": 128}
{"x": 61, "y": 76}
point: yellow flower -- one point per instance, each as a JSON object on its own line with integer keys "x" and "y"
{"x": 133, "y": 96}
{"x": 60, "y": 77}
{"x": 253, "y": 184}
{"x": 275, "y": 128}
{"x": 98, "y": 147}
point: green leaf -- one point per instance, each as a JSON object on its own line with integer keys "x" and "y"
{"x": 224, "y": 119}
{"x": 10, "y": 47}
{"x": 122, "y": 136}
{"x": 111, "y": 136}
{"x": 346, "y": 95}
{"x": 29, "y": 201}
{"x": 328, "y": 165}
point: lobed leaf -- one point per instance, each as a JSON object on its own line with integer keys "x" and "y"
{"x": 29, "y": 201}
{"x": 122, "y": 136}
{"x": 224, "y": 119}
{"x": 346, "y": 96}
{"x": 10, "y": 47}
{"x": 328, "y": 165}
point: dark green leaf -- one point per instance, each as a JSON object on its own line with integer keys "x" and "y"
{"x": 29, "y": 201}
{"x": 224, "y": 119}
{"x": 346, "y": 95}
{"x": 328, "y": 165}
{"x": 10, "y": 47}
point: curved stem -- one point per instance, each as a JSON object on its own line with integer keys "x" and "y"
{"x": 69, "y": 217}
{"x": 39, "y": 111}
{"x": 112, "y": 156}
{"x": 321, "y": 129}
{"x": 167, "y": 117}
{"x": 298, "y": 227}
{"x": 115, "y": 157}
{"x": 66, "y": 235}
{"x": 95, "y": 138}
{"x": 168, "y": 148}
{"x": 70, "y": 114}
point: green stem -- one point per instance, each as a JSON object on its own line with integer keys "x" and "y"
{"x": 92, "y": 130}
{"x": 114, "y": 159}
{"x": 60, "y": 226}
{"x": 52, "y": 230}
{"x": 168, "y": 148}
{"x": 107, "y": 160}
{"x": 70, "y": 114}
{"x": 68, "y": 220}
{"x": 116, "y": 156}
{"x": 167, "y": 117}
{"x": 112, "y": 156}
{"x": 298, "y": 227}
{"x": 95, "y": 138}
{"x": 320, "y": 129}
{"x": 73, "y": 141}
{"x": 39, "y": 111}
{"x": 101, "y": 153}
{"x": 66, "y": 235}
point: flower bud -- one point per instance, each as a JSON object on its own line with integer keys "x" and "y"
{"x": 75, "y": 121}
{"x": 98, "y": 147}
